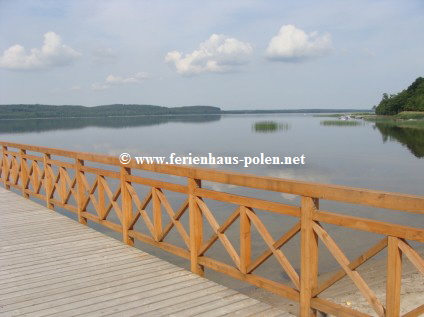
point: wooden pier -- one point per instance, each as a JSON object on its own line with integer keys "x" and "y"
{"x": 38, "y": 256}
{"x": 52, "y": 265}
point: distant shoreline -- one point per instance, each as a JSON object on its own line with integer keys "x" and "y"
{"x": 38, "y": 111}
{"x": 294, "y": 111}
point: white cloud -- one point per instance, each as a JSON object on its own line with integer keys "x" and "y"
{"x": 53, "y": 53}
{"x": 219, "y": 54}
{"x": 116, "y": 80}
{"x": 292, "y": 45}
{"x": 308, "y": 175}
{"x": 97, "y": 86}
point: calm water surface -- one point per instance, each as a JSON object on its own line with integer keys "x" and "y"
{"x": 365, "y": 155}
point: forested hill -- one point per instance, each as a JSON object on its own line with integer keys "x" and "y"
{"x": 34, "y": 111}
{"x": 22, "y": 111}
{"x": 410, "y": 99}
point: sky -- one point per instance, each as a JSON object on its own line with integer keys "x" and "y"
{"x": 233, "y": 54}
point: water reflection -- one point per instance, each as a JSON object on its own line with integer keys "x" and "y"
{"x": 412, "y": 138}
{"x": 40, "y": 125}
{"x": 352, "y": 157}
{"x": 269, "y": 126}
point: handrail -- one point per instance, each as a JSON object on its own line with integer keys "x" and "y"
{"x": 374, "y": 198}
{"x": 44, "y": 177}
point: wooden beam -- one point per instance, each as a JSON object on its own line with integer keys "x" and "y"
{"x": 396, "y": 201}
{"x": 196, "y": 227}
{"x": 141, "y": 205}
{"x": 369, "y": 225}
{"x": 157, "y": 214}
{"x": 158, "y": 184}
{"x": 278, "y": 244}
{"x": 24, "y": 172}
{"x": 394, "y": 277}
{"x": 269, "y": 241}
{"x": 106, "y": 223}
{"x": 309, "y": 256}
{"x": 272, "y": 286}
{"x": 354, "y": 275}
{"x": 226, "y": 243}
{"x": 71, "y": 184}
{"x": 249, "y": 202}
{"x": 36, "y": 182}
{"x": 161, "y": 245}
{"x": 5, "y": 169}
{"x": 48, "y": 186}
{"x": 61, "y": 164}
{"x": 112, "y": 200}
{"x": 34, "y": 157}
{"x": 245, "y": 240}
{"x": 101, "y": 172}
{"x": 334, "y": 309}
{"x": 175, "y": 220}
{"x": 68, "y": 207}
{"x": 101, "y": 196}
{"x": 227, "y": 223}
{"x": 412, "y": 255}
{"x": 419, "y": 311}
{"x": 379, "y": 246}
{"x": 127, "y": 213}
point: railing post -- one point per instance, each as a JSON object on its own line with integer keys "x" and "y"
{"x": 5, "y": 172}
{"x": 24, "y": 173}
{"x": 196, "y": 227}
{"x": 245, "y": 240}
{"x": 101, "y": 195}
{"x": 35, "y": 180}
{"x": 48, "y": 180}
{"x": 309, "y": 255}
{"x": 394, "y": 277}
{"x": 80, "y": 190}
{"x": 157, "y": 214}
{"x": 62, "y": 184}
{"x": 126, "y": 206}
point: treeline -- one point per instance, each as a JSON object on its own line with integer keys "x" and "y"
{"x": 37, "y": 111}
{"x": 26, "y": 111}
{"x": 410, "y": 99}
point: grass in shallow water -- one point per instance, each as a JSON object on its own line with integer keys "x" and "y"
{"x": 269, "y": 126}
{"x": 341, "y": 123}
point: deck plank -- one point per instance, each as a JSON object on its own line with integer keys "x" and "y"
{"x": 52, "y": 265}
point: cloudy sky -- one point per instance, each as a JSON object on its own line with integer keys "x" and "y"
{"x": 235, "y": 54}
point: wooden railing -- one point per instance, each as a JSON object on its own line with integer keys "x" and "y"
{"x": 62, "y": 178}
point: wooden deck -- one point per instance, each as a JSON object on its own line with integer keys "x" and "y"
{"x": 100, "y": 189}
{"x": 51, "y": 265}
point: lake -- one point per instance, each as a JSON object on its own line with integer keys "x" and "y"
{"x": 362, "y": 154}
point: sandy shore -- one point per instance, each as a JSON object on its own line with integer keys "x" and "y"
{"x": 345, "y": 292}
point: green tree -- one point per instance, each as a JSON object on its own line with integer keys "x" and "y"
{"x": 410, "y": 99}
